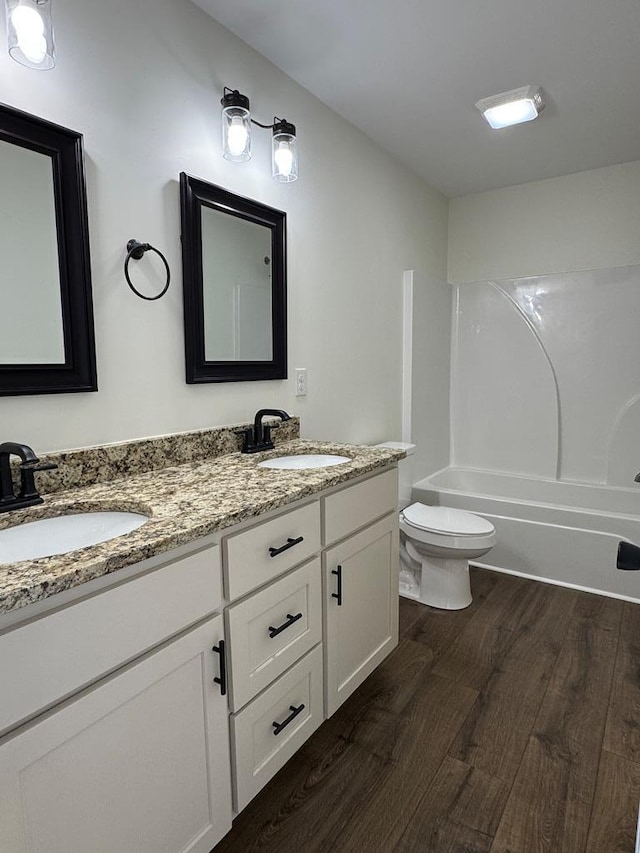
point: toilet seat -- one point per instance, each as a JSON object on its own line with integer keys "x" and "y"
{"x": 446, "y": 521}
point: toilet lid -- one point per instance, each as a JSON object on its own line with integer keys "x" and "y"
{"x": 443, "y": 519}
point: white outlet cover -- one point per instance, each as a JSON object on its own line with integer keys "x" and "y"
{"x": 301, "y": 382}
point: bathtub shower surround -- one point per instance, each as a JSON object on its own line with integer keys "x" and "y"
{"x": 545, "y": 423}
{"x": 546, "y": 376}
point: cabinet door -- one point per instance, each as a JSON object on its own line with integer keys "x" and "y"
{"x": 361, "y": 607}
{"x": 137, "y": 764}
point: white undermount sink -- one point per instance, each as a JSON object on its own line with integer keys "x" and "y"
{"x": 64, "y": 533}
{"x": 302, "y": 461}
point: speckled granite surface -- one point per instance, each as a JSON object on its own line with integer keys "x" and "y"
{"x": 184, "y": 502}
{"x": 77, "y": 468}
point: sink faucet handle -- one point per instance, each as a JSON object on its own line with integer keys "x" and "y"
{"x": 28, "y": 489}
{"x": 29, "y": 464}
{"x": 247, "y": 435}
{"x": 37, "y": 465}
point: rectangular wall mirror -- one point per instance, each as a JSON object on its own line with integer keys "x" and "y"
{"x": 234, "y": 281}
{"x": 46, "y": 321}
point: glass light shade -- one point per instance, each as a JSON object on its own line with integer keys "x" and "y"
{"x": 236, "y": 134}
{"x": 514, "y": 107}
{"x": 515, "y": 112}
{"x": 30, "y": 33}
{"x": 284, "y": 157}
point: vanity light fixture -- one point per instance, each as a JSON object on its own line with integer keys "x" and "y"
{"x": 236, "y": 137}
{"x": 513, "y": 107}
{"x": 284, "y": 151}
{"x": 30, "y": 33}
{"x": 236, "y": 126}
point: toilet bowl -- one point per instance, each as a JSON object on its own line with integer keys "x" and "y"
{"x": 436, "y": 544}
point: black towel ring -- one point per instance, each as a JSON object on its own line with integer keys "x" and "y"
{"x": 136, "y": 250}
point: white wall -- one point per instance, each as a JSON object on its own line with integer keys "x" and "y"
{"x": 142, "y": 81}
{"x": 584, "y": 221}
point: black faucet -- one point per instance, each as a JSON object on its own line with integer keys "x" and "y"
{"x": 258, "y": 437}
{"x": 28, "y": 495}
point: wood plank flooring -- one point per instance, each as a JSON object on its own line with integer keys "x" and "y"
{"x": 510, "y": 727}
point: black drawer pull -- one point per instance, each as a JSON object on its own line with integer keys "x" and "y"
{"x": 277, "y": 727}
{"x": 338, "y": 594}
{"x": 273, "y": 552}
{"x": 273, "y": 632}
{"x": 222, "y": 681}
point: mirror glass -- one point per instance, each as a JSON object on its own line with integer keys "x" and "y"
{"x": 234, "y": 285}
{"x": 31, "y": 319}
{"x": 46, "y": 322}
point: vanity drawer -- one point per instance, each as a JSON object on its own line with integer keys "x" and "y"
{"x": 261, "y": 553}
{"x": 257, "y": 751}
{"x": 271, "y": 630}
{"x": 359, "y": 505}
{"x": 45, "y": 660}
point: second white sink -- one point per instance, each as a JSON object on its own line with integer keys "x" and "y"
{"x": 309, "y": 460}
{"x": 64, "y": 533}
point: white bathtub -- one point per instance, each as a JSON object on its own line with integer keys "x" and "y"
{"x": 564, "y": 533}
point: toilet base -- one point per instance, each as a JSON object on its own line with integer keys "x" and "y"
{"x": 437, "y": 581}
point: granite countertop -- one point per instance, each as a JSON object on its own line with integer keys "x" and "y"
{"x": 184, "y": 503}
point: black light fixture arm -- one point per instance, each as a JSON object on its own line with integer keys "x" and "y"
{"x": 266, "y": 126}
{"x": 136, "y": 250}
{"x": 280, "y": 125}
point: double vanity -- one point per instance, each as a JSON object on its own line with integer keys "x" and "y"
{"x": 154, "y": 682}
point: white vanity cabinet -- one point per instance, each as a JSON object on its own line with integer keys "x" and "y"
{"x": 360, "y": 580}
{"x": 138, "y": 714}
{"x": 139, "y": 759}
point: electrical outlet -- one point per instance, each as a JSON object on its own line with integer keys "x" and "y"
{"x": 301, "y": 382}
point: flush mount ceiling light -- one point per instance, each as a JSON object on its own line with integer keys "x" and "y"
{"x": 514, "y": 107}
{"x": 30, "y": 33}
{"x": 236, "y": 137}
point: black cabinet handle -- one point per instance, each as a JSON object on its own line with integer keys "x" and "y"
{"x": 277, "y": 727}
{"x": 273, "y": 552}
{"x": 222, "y": 681}
{"x": 338, "y": 594}
{"x": 273, "y": 632}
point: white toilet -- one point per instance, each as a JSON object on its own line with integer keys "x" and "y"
{"x": 436, "y": 544}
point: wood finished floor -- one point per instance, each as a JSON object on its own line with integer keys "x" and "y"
{"x": 510, "y": 727}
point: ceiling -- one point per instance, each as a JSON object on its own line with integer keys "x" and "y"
{"x": 408, "y": 73}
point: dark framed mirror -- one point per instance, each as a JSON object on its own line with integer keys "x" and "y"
{"x": 46, "y": 312}
{"x": 234, "y": 283}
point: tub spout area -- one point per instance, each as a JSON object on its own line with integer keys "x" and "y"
{"x": 628, "y": 557}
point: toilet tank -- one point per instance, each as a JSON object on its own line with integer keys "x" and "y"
{"x": 405, "y": 470}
